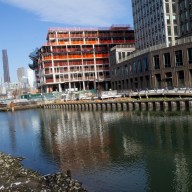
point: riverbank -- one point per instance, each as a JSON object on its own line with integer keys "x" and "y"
{"x": 123, "y": 103}
{"x": 14, "y": 177}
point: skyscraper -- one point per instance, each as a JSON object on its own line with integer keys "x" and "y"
{"x": 155, "y": 22}
{"x": 5, "y": 66}
{"x": 21, "y": 74}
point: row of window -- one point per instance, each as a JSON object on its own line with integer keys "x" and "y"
{"x": 131, "y": 68}
{"x": 173, "y": 7}
{"x": 167, "y": 59}
{"x": 147, "y": 41}
{"x": 183, "y": 4}
{"x": 186, "y": 27}
{"x": 142, "y": 65}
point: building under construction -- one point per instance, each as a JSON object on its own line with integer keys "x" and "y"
{"x": 78, "y": 58}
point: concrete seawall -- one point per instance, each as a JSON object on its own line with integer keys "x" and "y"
{"x": 112, "y": 105}
{"x": 149, "y": 105}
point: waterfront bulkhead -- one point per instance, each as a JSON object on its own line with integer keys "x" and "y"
{"x": 78, "y": 58}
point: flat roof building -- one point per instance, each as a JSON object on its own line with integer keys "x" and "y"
{"x": 78, "y": 58}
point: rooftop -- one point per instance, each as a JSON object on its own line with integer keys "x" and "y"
{"x": 113, "y": 27}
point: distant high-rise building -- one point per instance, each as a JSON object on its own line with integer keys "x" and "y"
{"x": 5, "y": 66}
{"x": 185, "y": 17}
{"x": 21, "y": 74}
{"x": 31, "y": 77}
{"x": 155, "y": 22}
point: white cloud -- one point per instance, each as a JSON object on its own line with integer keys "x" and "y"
{"x": 78, "y": 12}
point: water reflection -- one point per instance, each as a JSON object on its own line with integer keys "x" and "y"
{"x": 77, "y": 139}
{"x": 92, "y": 146}
{"x": 107, "y": 151}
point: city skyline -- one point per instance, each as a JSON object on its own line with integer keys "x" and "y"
{"x": 21, "y": 35}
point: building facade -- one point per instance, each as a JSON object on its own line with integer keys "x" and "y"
{"x": 185, "y": 17}
{"x": 78, "y": 59}
{"x": 155, "y": 68}
{"x": 5, "y": 66}
{"x": 155, "y": 22}
{"x": 21, "y": 74}
{"x": 163, "y": 56}
{"x": 31, "y": 78}
{"x": 117, "y": 55}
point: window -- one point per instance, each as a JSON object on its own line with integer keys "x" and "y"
{"x": 190, "y": 55}
{"x": 174, "y": 8}
{"x": 167, "y": 7}
{"x": 158, "y": 80}
{"x": 169, "y": 40}
{"x": 126, "y": 70}
{"x": 187, "y": 27}
{"x": 174, "y": 19}
{"x": 135, "y": 67}
{"x": 178, "y": 58}
{"x": 168, "y": 19}
{"x": 145, "y": 64}
{"x": 191, "y": 24}
{"x": 167, "y": 60}
{"x": 156, "y": 62}
{"x": 175, "y": 30}
{"x": 119, "y": 55}
{"x": 181, "y": 79}
{"x": 140, "y": 66}
{"x": 169, "y": 30}
{"x": 130, "y": 68}
{"x": 182, "y": 28}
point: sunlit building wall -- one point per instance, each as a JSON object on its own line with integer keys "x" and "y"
{"x": 155, "y": 22}
{"x": 31, "y": 77}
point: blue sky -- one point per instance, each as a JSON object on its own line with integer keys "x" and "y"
{"x": 24, "y": 23}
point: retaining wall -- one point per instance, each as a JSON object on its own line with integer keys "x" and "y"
{"x": 157, "y": 105}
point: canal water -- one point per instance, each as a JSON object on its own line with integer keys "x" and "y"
{"x": 106, "y": 151}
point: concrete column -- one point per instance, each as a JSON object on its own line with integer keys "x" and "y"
{"x": 60, "y": 89}
{"x": 83, "y": 85}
